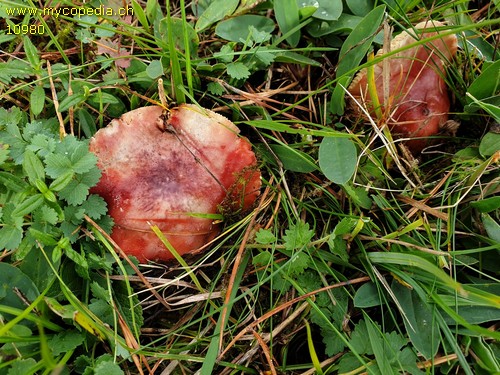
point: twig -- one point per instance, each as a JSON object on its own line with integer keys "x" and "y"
{"x": 62, "y": 131}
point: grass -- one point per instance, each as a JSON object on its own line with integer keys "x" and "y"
{"x": 378, "y": 262}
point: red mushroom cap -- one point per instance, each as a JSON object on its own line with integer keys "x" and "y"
{"x": 418, "y": 103}
{"x": 173, "y": 171}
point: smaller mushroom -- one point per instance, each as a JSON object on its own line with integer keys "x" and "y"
{"x": 175, "y": 170}
{"x": 415, "y": 104}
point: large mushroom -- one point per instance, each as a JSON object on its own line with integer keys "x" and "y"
{"x": 176, "y": 170}
{"x": 411, "y": 84}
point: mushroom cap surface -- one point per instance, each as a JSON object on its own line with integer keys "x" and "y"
{"x": 175, "y": 171}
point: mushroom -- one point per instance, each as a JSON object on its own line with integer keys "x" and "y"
{"x": 177, "y": 170}
{"x": 416, "y": 102}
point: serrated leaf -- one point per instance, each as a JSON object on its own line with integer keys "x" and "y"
{"x": 65, "y": 341}
{"x": 23, "y": 366}
{"x": 48, "y": 215}
{"x": 99, "y": 292}
{"x": 95, "y": 206}
{"x": 297, "y": 264}
{"x": 10, "y": 237}
{"x": 265, "y": 236}
{"x": 238, "y": 70}
{"x": 298, "y": 236}
{"x": 75, "y": 192}
{"x": 37, "y": 100}
{"x": 215, "y": 88}
{"x": 82, "y": 159}
{"x": 57, "y": 165}
{"x": 14, "y": 68}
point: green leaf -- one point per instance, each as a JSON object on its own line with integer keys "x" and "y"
{"x": 10, "y": 237}
{"x": 412, "y": 260}
{"x": 367, "y": 296}
{"x": 65, "y": 341}
{"x": 75, "y": 192}
{"x": 28, "y": 205}
{"x": 358, "y": 341}
{"x": 265, "y": 237}
{"x": 297, "y": 264}
{"x": 33, "y": 167}
{"x": 82, "y": 159}
{"x": 487, "y": 84}
{"x": 62, "y": 181}
{"x": 298, "y": 236}
{"x": 287, "y": 16}
{"x": 95, "y": 206}
{"x": 11, "y": 277}
{"x": 491, "y": 227}
{"x": 294, "y": 160}
{"x": 262, "y": 259}
{"x": 487, "y": 205}
{"x": 238, "y": 29}
{"x": 215, "y": 88}
{"x": 359, "y": 41}
{"x": 37, "y": 100}
{"x": 360, "y": 7}
{"x": 108, "y": 368}
{"x": 217, "y": 10}
{"x": 154, "y": 69}
{"x": 14, "y": 68}
{"x": 338, "y": 159}
{"x": 31, "y": 53}
{"x": 295, "y": 58}
{"x": 352, "y": 52}
{"x": 71, "y": 101}
{"x": 359, "y": 196}
{"x": 378, "y": 347}
{"x": 238, "y": 70}
{"x": 57, "y": 165}
{"x": 326, "y": 10}
{"x": 23, "y": 366}
{"x": 345, "y": 23}
{"x": 179, "y": 29}
{"x": 418, "y": 320}
{"x": 140, "y": 14}
{"x": 489, "y": 144}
